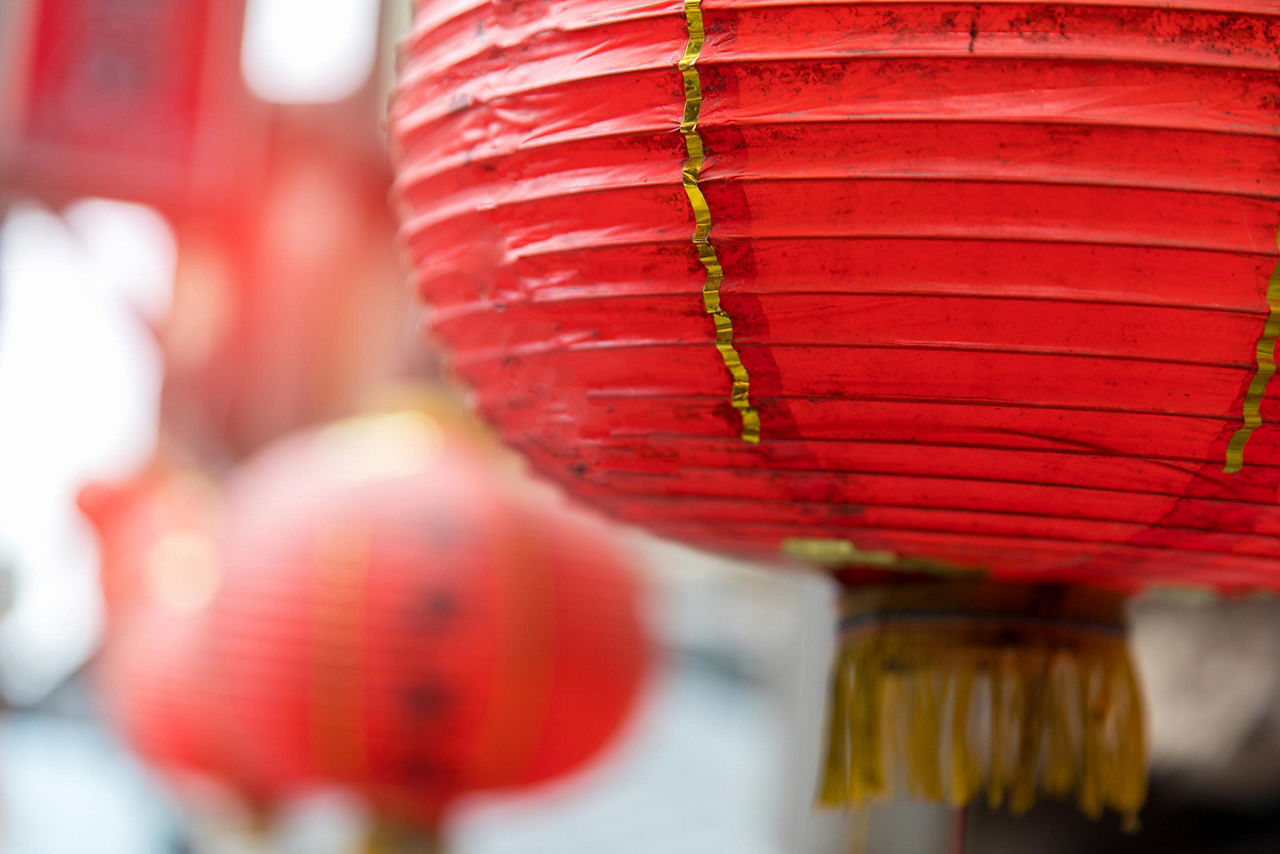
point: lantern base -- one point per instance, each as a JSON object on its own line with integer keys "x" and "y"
{"x": 957, "y": 689}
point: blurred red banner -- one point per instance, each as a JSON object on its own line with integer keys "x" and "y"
{"x": 133, "y": 99}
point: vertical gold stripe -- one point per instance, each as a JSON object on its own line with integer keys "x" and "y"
{"x": 740, "y": 396}
{"x": 336, "y": 650}
{"x": 1265, "y": 362}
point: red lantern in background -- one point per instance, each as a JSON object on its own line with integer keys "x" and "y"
{"x": 904, "y": 286}
{"x": 398, "y": 614}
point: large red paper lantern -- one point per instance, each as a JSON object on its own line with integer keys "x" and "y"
{"x": 915, "y": 286}
{"x": 402, "y": 616}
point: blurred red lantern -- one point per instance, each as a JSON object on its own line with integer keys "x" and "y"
{"x": 893, "y": 286}
{"x": 396, "y": 614}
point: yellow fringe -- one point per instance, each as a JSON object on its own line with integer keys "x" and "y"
{"x": 957, "y": 708}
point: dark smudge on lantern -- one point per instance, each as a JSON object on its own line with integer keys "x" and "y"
{"x": 398, "y": 614}
{"x": 958, "y": 288}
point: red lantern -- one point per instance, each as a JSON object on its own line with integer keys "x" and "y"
{"x": 899, "y": 286}
{"x": 398, "y": 616}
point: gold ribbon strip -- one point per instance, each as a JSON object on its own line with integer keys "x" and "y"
{"x": 843, "y": 554}
{"x": 1264, "y": 370}
{"x": 740, "y": 394}
{"x": 336, "y": 652}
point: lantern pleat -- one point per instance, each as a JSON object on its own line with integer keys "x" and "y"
{"x": 149, "y": 681}
{"x": 1003, "y": 694}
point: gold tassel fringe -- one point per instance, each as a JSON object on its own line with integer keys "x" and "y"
{"x": 961, "y": 690}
